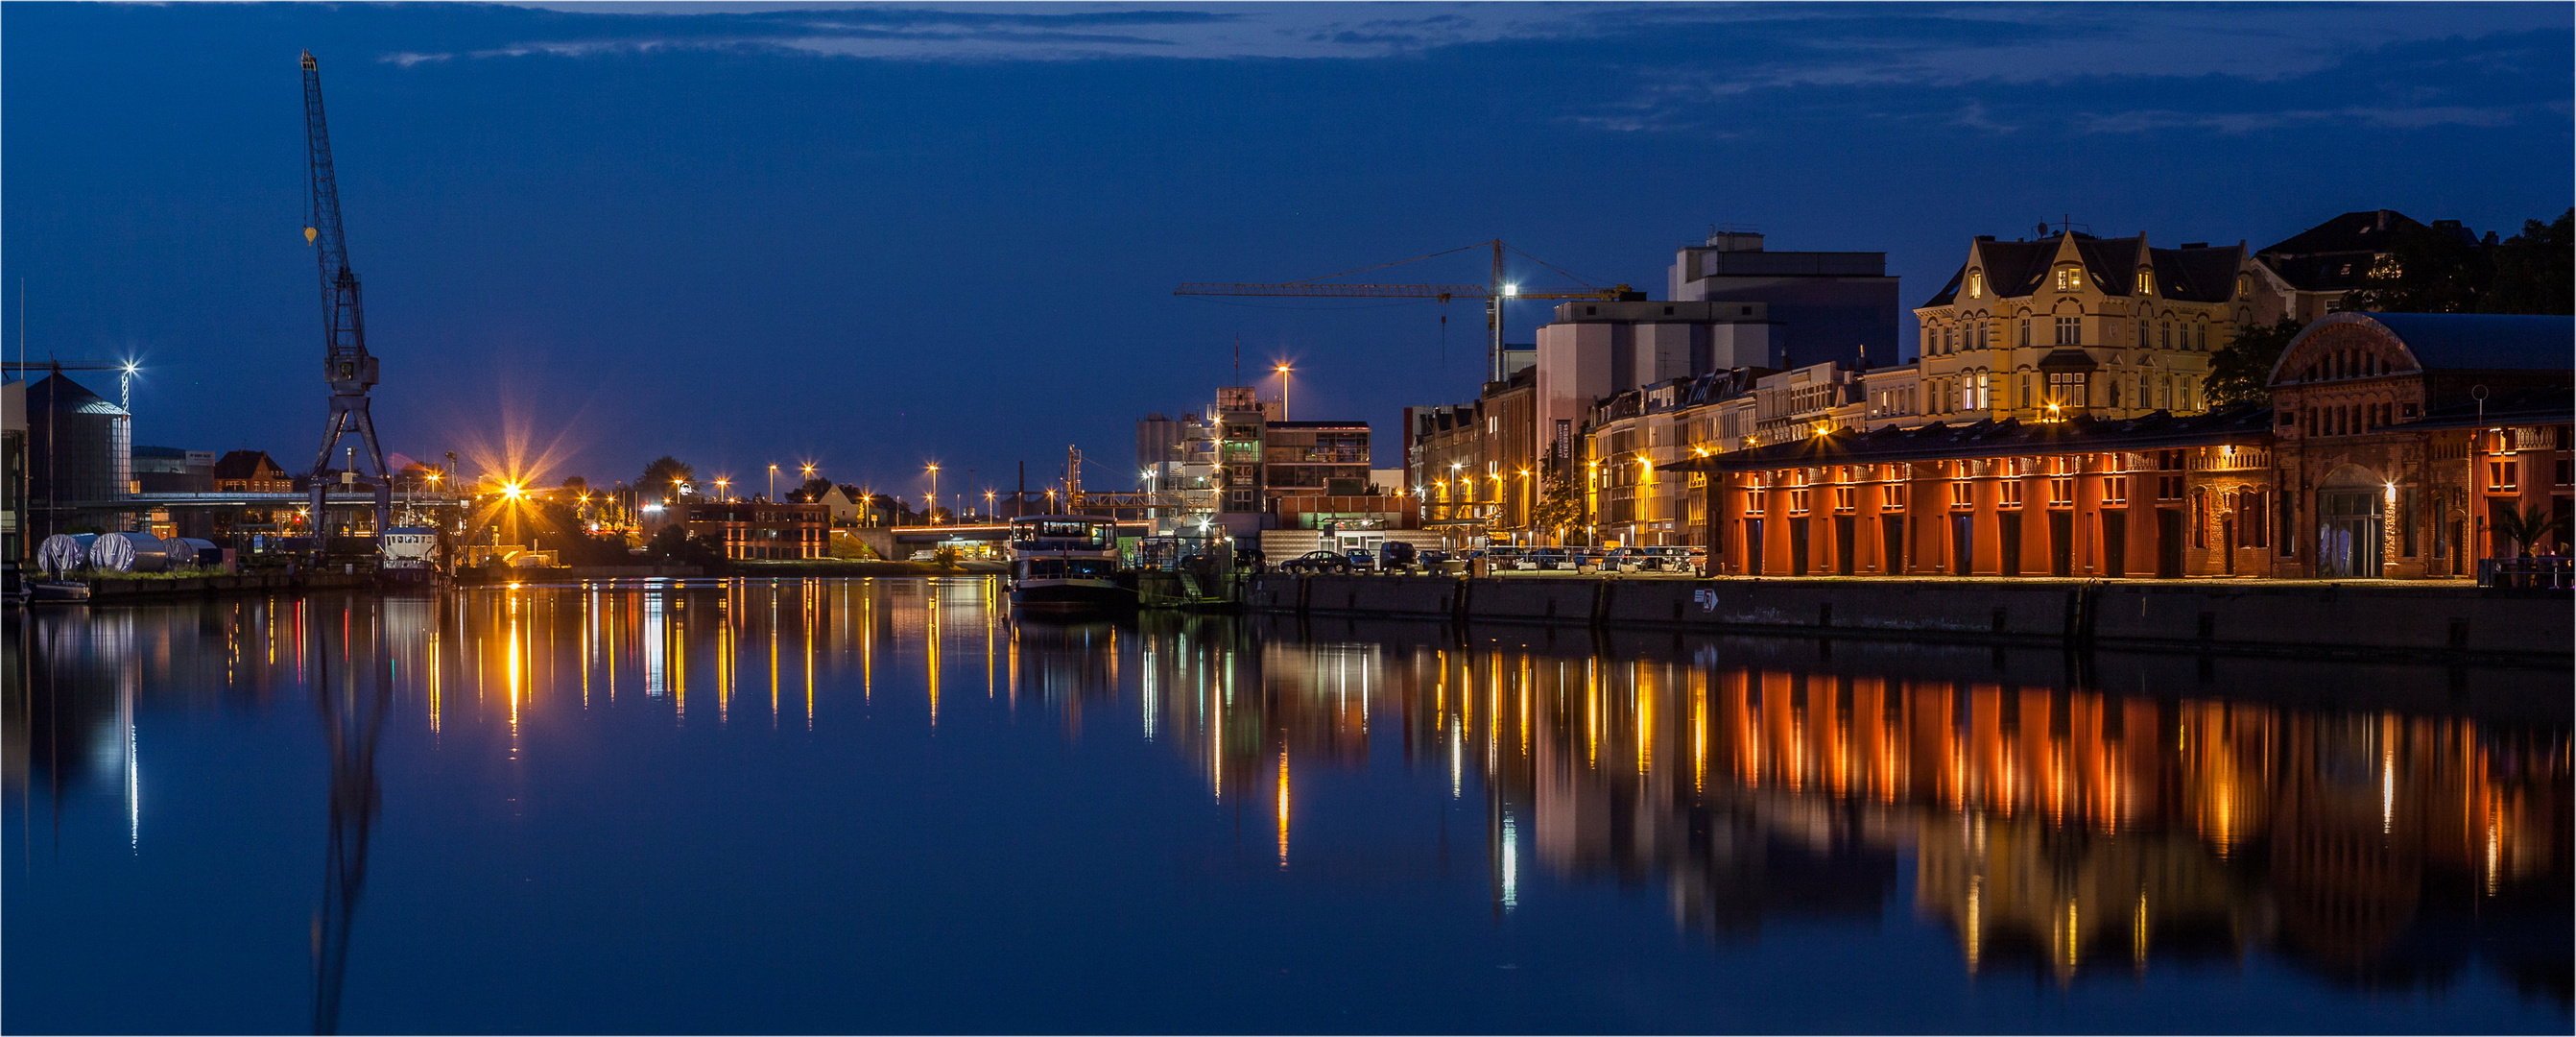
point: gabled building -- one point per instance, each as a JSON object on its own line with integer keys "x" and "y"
{"x": 2306, "y": 275}
{"x": 2073, "y": 324}
{"x": 250, "y": 471}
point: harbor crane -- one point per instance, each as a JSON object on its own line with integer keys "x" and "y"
{"x": 346, "y": 365}
{"x": 1493, "y": 294}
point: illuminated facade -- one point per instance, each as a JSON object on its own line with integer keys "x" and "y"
{"x": 2074, "y": 324}
{"x": 761, "y": 530}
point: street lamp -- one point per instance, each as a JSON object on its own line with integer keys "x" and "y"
{"x": 1283, "y": 370}
{"x": 773, "y": 482}
{"x": 931, "y": 512}
{"x": 721, "y": 483}
{"x": 988, "y": 505}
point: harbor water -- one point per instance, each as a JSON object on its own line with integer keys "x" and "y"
{"x": 887, "y": 805}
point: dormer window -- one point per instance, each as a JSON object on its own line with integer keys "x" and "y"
{"x": 2146, "y": 283}
{"x": 2244, "y": 285}
{"x": 2069, "y": 278}
{"x": 1976, "y": 284}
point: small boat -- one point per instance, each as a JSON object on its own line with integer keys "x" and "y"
{"x": 1066, "y": 563}
{"x": 57, "y": 592}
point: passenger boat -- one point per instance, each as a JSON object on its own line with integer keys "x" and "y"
{"x": 1066, "y": 563}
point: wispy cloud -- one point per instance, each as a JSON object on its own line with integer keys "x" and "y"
{"x": 2253, "y": 122}
{"x": 1050, "y": 32}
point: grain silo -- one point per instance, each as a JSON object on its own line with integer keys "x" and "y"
{"x": 79, "y": 447}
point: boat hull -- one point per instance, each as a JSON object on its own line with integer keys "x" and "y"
{"x": 1069, "y": 596}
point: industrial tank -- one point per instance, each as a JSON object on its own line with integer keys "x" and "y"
{"x": 79, "y": 446}
{"x": 129, "y": 553}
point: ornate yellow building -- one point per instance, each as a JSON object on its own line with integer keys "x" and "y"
{"x": 2047, "y": 329}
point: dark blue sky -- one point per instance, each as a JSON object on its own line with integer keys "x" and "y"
{"x": 874, "y": 237}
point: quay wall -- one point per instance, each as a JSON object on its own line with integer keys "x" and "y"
{"x": 2239, "y": 616}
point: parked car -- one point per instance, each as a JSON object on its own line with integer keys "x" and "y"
{"x": 1362, "y": 559}
{"x": 1437, "y": 561}
{"x": 1395, "y": 556}
{"x": 925, "y": 556}
{"x": 1317, "y": 562}
{"x": 1627, "y": 560}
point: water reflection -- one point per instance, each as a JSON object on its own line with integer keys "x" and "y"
{"x": 2384, "y": 826}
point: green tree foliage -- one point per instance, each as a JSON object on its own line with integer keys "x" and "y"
{"x": 2535, "y": 271}
{"x": 1556, "y": 509}
{"x": 2238, "y": 373}
{"x": 659, "y": 475}
{"x": 674, "y": 544}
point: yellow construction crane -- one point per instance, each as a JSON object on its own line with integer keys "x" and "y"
{"x": 1492, "y": 294}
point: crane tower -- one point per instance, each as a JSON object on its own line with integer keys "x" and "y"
{"x": 346, "y": 364}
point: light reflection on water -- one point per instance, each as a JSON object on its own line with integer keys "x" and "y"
{"x": 2141, "y": 834}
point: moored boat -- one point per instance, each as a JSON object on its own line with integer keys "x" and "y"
{"x": 1066, "y": 563}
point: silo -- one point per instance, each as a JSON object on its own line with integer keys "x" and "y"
{"x": 79, "y": 448}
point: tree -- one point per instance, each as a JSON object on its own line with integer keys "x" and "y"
{"x": 662, "y": 473}
{"x": 2535, "y": 271}
{"x": 1557, "y": 508}
{"x": 2526, "y": 527}
{"x": 674, "y": 544}
{"x": 811, "y": 492}
{"x": 2425, "y": 270}
{"x": 2241, "y": 372}
{"x": 576, "y": 485}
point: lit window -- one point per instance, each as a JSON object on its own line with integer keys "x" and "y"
{"x": 2069, "y": 278}
{"x": 1976, "y": 284}
{"x": 2146, "y": 283}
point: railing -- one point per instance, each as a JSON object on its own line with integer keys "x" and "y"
{"x": 2547, "y": 572}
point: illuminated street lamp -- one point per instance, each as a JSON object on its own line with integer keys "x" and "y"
{"x": 988, "y": 505}
{"x": 773, "y": 482}
{"x": 721, "y": 492}
{"x": 931, "y": 511}
{"x": 1284, "y": 371}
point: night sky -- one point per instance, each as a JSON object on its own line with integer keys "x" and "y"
{"x": 875, "y": 237}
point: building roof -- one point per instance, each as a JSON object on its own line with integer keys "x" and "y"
{"x": 2464, "y": 341}
{"x": 244, "y": 464}
{"x": 2365, "y": 231}
{"x": 2245, "y": 423}
{"x": 2522, "y": 408}
{"x": 60, "y": 395}
{"x": 2197, "y": 273}
{"x": 2335, "y": 255}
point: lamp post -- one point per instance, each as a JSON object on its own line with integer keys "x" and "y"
{"x": 930, "y": 510}
{"x": 773, "y": 482}
{"x": 1284, "y": 371}
{"x": 988, "y": 505}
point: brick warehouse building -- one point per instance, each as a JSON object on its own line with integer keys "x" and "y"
{"x": 2404, "y": 434}
{"x": 2380, "y": 459}
{"x": 762, "y": 530}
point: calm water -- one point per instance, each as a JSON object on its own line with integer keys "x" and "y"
{"x": 882, "y": 805}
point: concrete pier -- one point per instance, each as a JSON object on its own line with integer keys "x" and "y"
{"x": 2336, "y": 619}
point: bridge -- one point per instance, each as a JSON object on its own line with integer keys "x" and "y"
{"x": 899, "y": 542}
